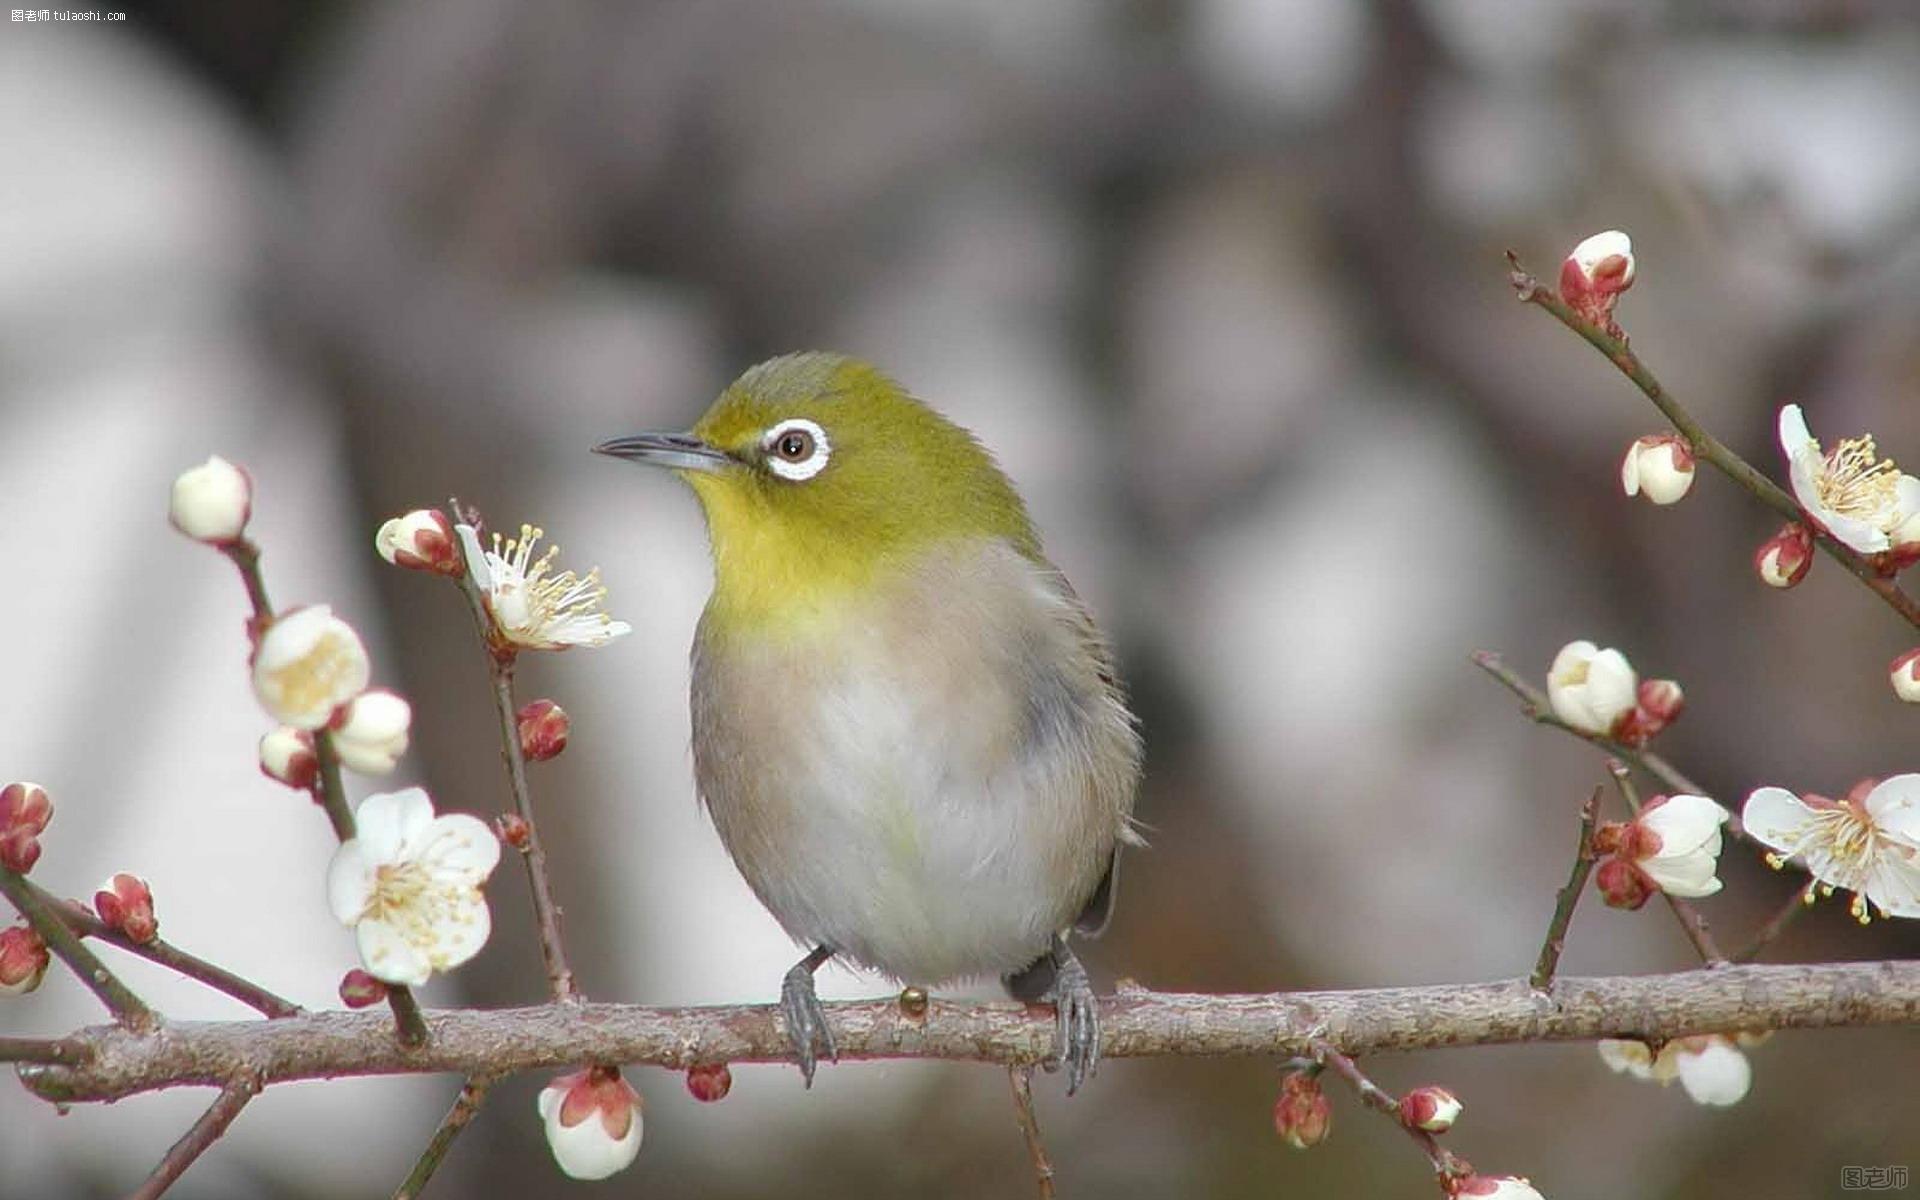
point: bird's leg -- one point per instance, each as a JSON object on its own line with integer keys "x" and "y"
{"x": 800, "y": 1008}
{"x": 1057, "y": 978}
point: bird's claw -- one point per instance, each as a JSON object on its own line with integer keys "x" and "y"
{"x": 1076, "y": 1031}
{"x": 806, "y": 1021}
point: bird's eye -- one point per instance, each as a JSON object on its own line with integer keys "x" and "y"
{"x": 796, "y": 449}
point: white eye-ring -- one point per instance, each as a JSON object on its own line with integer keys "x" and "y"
{"x": 796, "y": 449}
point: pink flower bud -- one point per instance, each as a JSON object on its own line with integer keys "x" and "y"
{"x": 125, "y": 904}
{"x": 211, "y": 502}
{"x": 1301, "y": 1116}
{"x": 1657, "y": 704}
{"x": 370, "y": 731}
{"x": 709, "y": 1082}
{"x": 1494, "y": 1187}
{"x": 25, "y": 810}
{"x": 593, "y": 1122}
{"x": 287, "y": 756}
{"x": 513, "y": 830}
{"x": 1431, "y": 1108}
{"x": 1905, "y": 676}
{"x": 1594, "y": 275}
{"x": 544, "y": 726}
{"x": 361, "y": 990}
{"x": 1784, "y": 559}
{"x": 1621, "y": 884}
{"x": 1660, "y": 467}
{"x": 23, "y": 960}
{"x": 422, "y": 540}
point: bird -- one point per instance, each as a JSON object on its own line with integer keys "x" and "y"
{"x": 908, "y": 730}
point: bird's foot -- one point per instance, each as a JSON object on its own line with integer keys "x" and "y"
{"x": 1059, "y": 979}
{"x": 806, "y": 1020}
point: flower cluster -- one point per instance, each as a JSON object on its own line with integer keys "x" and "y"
{"x": 1672, "y": 846}
{"x": 1711, "y": 1069}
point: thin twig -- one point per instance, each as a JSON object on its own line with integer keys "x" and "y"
{"x": 1134, "y": 1023}
{"x": 1704, "y": 445}
{"x": 245, "y": 557}
{"x": 1446, "y": 1164}
{"x": 1568, "y": 897}
{"x": 170, "y": 956}
{"x": 194, "y": 1142}
{"x": 43, "y": 1050}
{"x": 1021, "y": 1080}
{"x": 500, "y": 663}
{"x": 1799, "y": 901}
{"x": 127, "y": 1008}
{"x": 465, "y": 1107}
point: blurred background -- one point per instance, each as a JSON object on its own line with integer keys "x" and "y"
{"x": 1219, "y": 280}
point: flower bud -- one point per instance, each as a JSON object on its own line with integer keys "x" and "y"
{"x": 25, "y": 810}
{"x": 1905, "y": 550}
{"x": 1590, "y": 688}
{"x": 1784, "y": 559}
{"x": 1621, "y": 884}
{"x": 1594, "y": 275}
{"x": 211, "y": 502}
{"x": 370, "y": 731}
{"x": 286, "y": 756}
{"x": 1495, "y": 1187}
{"x": 1659, "y": 466}
{"x": 23, "y": 960}
{"x": 421, "y": 540}
{"x": 513, "y": 830}
{"x": 125, "y": 905}
{"x": 1431, "y": 1108}
{"x": 710, "y": 1082}
{"x": 544, "y": 726}
{"x": 1657, "y": 705}
{"x": 1301, "y": 1116}
{"x": 1905, "y": 675}
{"x": 361, "y": 990}
{"x": 308, "y": 663}
{"x": 593, "y": 1122}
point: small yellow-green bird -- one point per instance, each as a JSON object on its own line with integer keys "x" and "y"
{"x": 906, "y": 726}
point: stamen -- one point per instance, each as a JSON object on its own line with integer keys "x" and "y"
{"x": 1856, "y": 485}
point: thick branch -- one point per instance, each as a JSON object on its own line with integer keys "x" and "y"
{"x": 1135, "y": 1023}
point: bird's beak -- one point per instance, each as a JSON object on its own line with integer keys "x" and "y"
{"x": 675, "y": 451}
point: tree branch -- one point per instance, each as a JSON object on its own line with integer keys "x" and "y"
{"x": 194, "y": 1142}
{"x": 1021, "y": 1080}
{"x": 127, "y": 1008}
{"x": 465, "y": 1107}
{"x": 1135, "y": 1023}
{"x": 1567, "y": 898}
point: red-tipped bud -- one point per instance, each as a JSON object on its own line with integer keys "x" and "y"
{"x": 287, "y": 756}
{"x": 513, "y": 830}
{"x": 1904, "y": 674}
{"x": 1660, "y": 467}
{"x": 1594, "y": 275}
{"x": 361, "y": 990}
{"x": 1785, "y": 558}
{"x": 422, "y": 540}
{"x": 125, "y": 904}
{"x": 23, "y": 960}
{"x": 544, "y": 726}
{"x": 593, "y": 1122}
{"x": 709, "y": 1082}
{"x": 1657, "y": 704}
{"x": 1431, "y": 1108}
{"x": 1302, "y": 1116}
{"x": 1621, "y": 884}
{"x": 24, "y": 813}
{"x": 1494, "y": 1187}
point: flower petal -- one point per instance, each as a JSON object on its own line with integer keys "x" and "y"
{"x": 1629, "y": 1056}
{"x": 1717, "y": 1074}
{"x": 477, "y": 562}
{"x": 388, "y": 956}
{"x": 350, "y": 880}
{"x": 460, "y": 931}
{"x": 395, "y": 823}
{"x": 1776, "y": 817}
{"x": 459, "y": 849}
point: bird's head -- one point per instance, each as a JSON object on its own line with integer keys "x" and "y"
{"x": 818, "y": 474}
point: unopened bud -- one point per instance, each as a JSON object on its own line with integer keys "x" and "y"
{"x": 370, "y": 731}
{"x": 1784, "y": 559}
{"x": 1905, "y": 676}
{"x": 544, "y": 726}
{"x": 23, "y": 960}
{"x": 1621, "y": 884}
{"x": 125, "y": 904}
{"x": 1657, "y": 705}
{"x": 593, "y": 1122}
{"x": 287, "y": 756}
{"x": 25, "y": 810}
{"x": 1431, "y": 1108}
{"x": 1594, "y": 275}
{"x": 710, "y": 1082}
{"x": 361, "y": 990}
{"x": 1494, "y": 1187}
{"x": 308, "y": 663}
{"x": 1589, "y": 688}
{"x": 1302, "y": 1116}
{"x": 513, "y": 830}
{"x": 211, "y": 502}
{"x": 1660, "y": 467}
{"x": 421, "y": 540}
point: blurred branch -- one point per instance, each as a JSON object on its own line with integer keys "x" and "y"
{"x": 1797, "y": 902}
{"x": 1021, "y": 1080}
{"x": 465, "y": 1107}
{"x": 194, "y": 1142}
{"x": 1568, "y": 897}
{"x": 1704, "y": 445}
{"x": 1136, "y": 1023}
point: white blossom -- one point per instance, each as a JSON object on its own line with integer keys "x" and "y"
{"x": 308, "y": 663}
{"x": 1659, "y": 467}
{"x": 1859, "y": 498}
{"x": 593, "y": 1122}
{"x": 1590, "y": 688}
{"x": 531, "y": 608}
{"x": 1710, "y": 1068}
{"x": 408, "y": 884}
{"x": 211, "y": 502}
{"x": 1683, "y": 850}
{"x": 370, "y": 732}
{"x": 1867, "y": 844}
